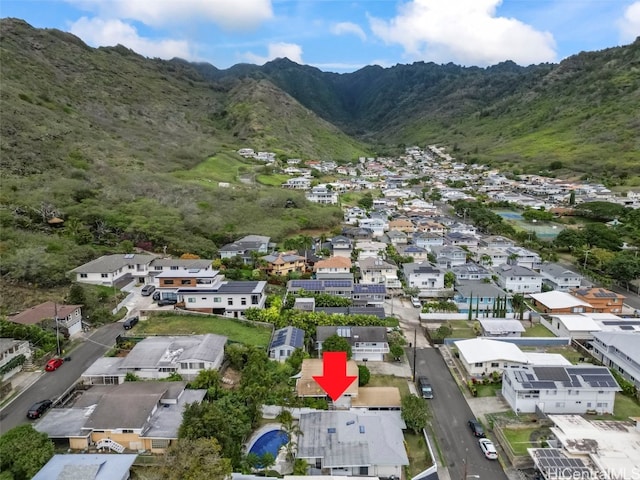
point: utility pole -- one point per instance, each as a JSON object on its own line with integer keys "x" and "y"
{"x": 415, "y": 337}
{"x": 55, "y": 309}
{"x": 586, "y": 254}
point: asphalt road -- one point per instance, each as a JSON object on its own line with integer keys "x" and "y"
{"x": 450, "y": 413}
{"x": 53, "y": 384}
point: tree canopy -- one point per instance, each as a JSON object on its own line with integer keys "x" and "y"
{"x": 24, "y": 451}
{"x": 336, "y": 343}
{"x": 195, "y": 459}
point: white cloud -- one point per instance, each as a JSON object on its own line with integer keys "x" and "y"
{"x": 277, "y": 50}
{"x": 463, "y": 31}
{"x": 228, "y": 14}
{"x": 630, "y": 23}
{"x": 343, "y": 28}
{"x": 98, "y": 32}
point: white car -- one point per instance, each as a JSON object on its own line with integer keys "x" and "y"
{"x": 415, "y": 301}
{"x": 488, "y": 448}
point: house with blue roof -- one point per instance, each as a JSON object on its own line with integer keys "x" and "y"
{"x": 284, "y": 342}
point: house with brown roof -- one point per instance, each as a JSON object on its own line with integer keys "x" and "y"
{"x": 283, "y": 263}
{"x": 402, "y": 225}
{"x": 601, "y": 299}
{"x": 333, "y": 268}
{"x": 69, "y": 317}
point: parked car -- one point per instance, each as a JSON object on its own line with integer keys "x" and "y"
{"x": 476, "y": 428}
{"x": 147, "y": 290}
{"x": 156, "y": 296}
{"x": 53, "y": 364}
{"x": 130, "y": 322}
{"x": 415, "y": 301}
{"x": 167, "y": 301}
{"x": 424, "y": 387}
{"x": 488, "y": 448}
{"x": 38, "y": 408}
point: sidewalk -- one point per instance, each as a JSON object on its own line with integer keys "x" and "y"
{"x": 19, "y": 383}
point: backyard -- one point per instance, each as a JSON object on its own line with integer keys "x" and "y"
{"x": 538, "y": 330}
{"x": 235, "y": 330}
{"x": 526, "y": 437}
{"x": 566, "y": 351}
{"x": 390, "y": 381}
{"x": 418, "y": 453}
{"x": 624, "y": 408}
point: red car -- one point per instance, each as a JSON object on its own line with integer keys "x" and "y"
{"x": 53, "y": 364}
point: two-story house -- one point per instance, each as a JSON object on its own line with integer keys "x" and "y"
{"x": 495, "y": 241}
{"x": 575, "y": 389}
{"x": 418, "y": 254}
{"x": 377, "y": 226}
{"x": 114, "y": 269}
{"x": 461, "y": 239}
{"x": 426, "y": 277}
{"x": 619, "y": 351}
{"x": 449, "y": 256}
{"x": 243, "y": 247}
{"x": 378, "y": 271}
{"x": 523, "y": 257}
{"x": 341, "y": 246}
{"x": 402, "y": 225}
{"x": 10, "y": 349}
{"x": 396, "y": 238}
{"x": 428, "y": 240}
{"x": 367, "y": 343}
{"x": 67, "y": 319}
{"x": 470, "y": 271}
{"x": 284, "y": 263}
{"x": 160, "y": 264}
{"x": 370, "y": 249}
{"x": 298, "y": 183}
{"x": 481, "y": 298}
{"x": 517, "y": 279}
{"x": 323, "y": 195}
{"x": 559, "y": 278}
{"x": 333, "y": 268}
{"x": 601, "y": 299}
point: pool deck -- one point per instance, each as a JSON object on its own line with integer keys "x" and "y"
{"x": 282, "y": 465}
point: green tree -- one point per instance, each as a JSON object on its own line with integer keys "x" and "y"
{"x": 76, "y": 295}
{"x": 414, "y": 413}
{"x": 366, "y": 201}
{"x": 24, "y": 451}
{"x": 449, "y": 279}
{"x": 396, "y": 351}
{"x": 336, "y": 343}
{"x": 624, "y": 267}
{"x": 208, "y": 379}
{"x": 569, "y": 239}
{"x": 599, "y": 235}
{"x": 364, "y": 375}
{"x": 196, "y": 459}
{"x": 572, "y": 198}
{"x": 300, "y": 466}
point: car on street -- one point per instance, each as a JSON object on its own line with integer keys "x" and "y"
{"x": 130, "y": 322}
{"x": 476, "y": 428}
{"x": 424, "y": 387}
{"x": 38, "y": 408}
{"x": 53, "y": 364}
{"x": 488, "y": 448}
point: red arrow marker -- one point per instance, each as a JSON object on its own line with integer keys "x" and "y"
{"x": 334, "y": 379}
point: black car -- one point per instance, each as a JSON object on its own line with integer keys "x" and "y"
{"x": 476, "y": 428}
{"x": 167, "y": 301}
{"x": 37, "y": 409}
{"x": 156, "y": 296}
{"x": 130, "y": 322}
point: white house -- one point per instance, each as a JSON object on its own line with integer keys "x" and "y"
{"x": 575, "y": 389}
{"x": 370, "y": 249}
{"x": 9, "y": 349}
{"x": 323, "y": 195}
{"x": 333, "y": 268}
{"x": 619, "y": 351}
{"x": 284, "y": 342}
{"x": 110, "y": 269}
{"x": 559, "y": 278}
{"x": 298, "y": 183}
{"x": 449, "y": 256}
{"x": 523, "y": 257}
{"x": 578, "y": 327}
{"x": 426, "y": 277}
{"x": 376, "y": 270}
{"x": 517, "y": 279}
{"x": 353, "y": 443}
{"x": 367, "y": 343}
{"x": 501, "y": 327}
{"x": 428, "y": 240}
{"x": 376, "y": 225}
{"x": 158, "y": 357}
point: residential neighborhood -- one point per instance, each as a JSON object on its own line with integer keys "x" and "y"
{"x": 407, "y": 274}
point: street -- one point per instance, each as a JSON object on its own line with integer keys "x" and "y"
{"x": 450, "y": 413}
{"x": 51, "y": 385}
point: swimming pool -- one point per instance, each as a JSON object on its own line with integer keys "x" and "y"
{"x": 270, "y": 442}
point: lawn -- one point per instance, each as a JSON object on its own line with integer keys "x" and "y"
{"x": 520, "y": 438}
{"x": 222, "y": 167}
{"x": 390, "y": 381}
{"x": 274, "y": 180}
{"x": 567, "y": 352}
{"x": 418, "y": 453}
{"x": 234, "y": 330}
{"x": 488, "y": 390}
{"x": 538, "y": 330}
{"x": 624, "y": 408}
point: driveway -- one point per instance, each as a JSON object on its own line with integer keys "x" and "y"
{"x": 409, "y": 319}
{"x": 53, "y": 384}
{"x": 451, "y": 412}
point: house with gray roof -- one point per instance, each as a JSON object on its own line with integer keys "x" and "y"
{"x": 368, "y": 343}
{"x": 470, "y": 271}
{"x": 159, "y": 357}
{"x": 178, "y": 265}
{"x": 426, "y": 277}
{"x": 518, "y": 279}
{"x": 448, "y": 256}
{"x": 87, "y": 466}
{"x": 481, "y": 297}
{"x": 114, "y": 269}
{"x": 353, "y": 443}
{"x": 559, "y": 278}
{"x": 573, "y": 389}
{"x": 619, "y": 351}
{"x": 135, "y": 416}
{"x": 284, "y": 342}
{"x": 244, "y": 246}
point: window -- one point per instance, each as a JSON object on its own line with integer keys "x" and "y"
{"x": 168, "y": 282}
{"x": 243, "y": 301}
{"x": 174, "y": 267}
{"x": 191, "y": 299}
{"x": 159, "y": 443}
{"x": 229, "y": 301}
{"x": 217, "y": 300}
{"x": 83, "y": 275}
{"x": 167, "y": 369}
{"x": 104, "y": 275}
{"x": 478, "y": 364}
{"x": 185, "y": 281}
{"x": 495, "y": 365}
{"x": 127, "y": 430}
{"x": 559, "y": 404}
{"x": 158, "y": 267}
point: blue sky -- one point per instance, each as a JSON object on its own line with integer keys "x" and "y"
{"x": 342, "y": 35}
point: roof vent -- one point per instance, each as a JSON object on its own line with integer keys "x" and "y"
{"x": 351, "y": 422}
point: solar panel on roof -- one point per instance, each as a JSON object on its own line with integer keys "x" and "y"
{"x": 626, "y": 327}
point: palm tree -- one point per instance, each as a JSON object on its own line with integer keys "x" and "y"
{"x": 486, "y": 260}
{"x": 291, "y": 428}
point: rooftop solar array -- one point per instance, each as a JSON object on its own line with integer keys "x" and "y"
{"x": 621, "y": 322}
{"x": 295, "y": 337}
{"x": 369, "y": 288}
{"x": 320, "y": 284}
{"x": 556, "y": 374}
{"x": 604, "y": 294}
{"x": 557, "y": 465}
